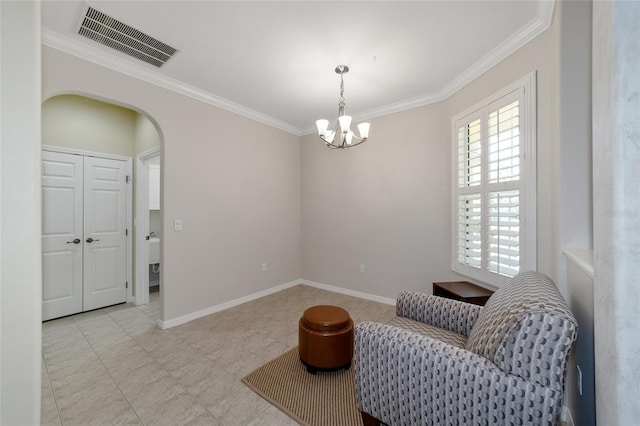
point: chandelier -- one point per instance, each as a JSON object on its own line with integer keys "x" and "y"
{"x": 346, "y": 138}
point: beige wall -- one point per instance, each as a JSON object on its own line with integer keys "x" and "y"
{"x": 384, "y": 204}
{"x": 387, "y": 203}
{"x": 233, "y": 182}
{"x": 79, "y": 122}
{"x": 538, "y": 56}
{"x": 236, "y": 185}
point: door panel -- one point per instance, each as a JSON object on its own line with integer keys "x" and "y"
{"x": 62, "y": 211}
{"x": 105, "y": 248}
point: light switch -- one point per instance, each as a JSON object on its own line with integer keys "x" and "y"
{"x": 177, "y": 225}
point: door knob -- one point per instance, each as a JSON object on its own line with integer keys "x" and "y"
{"x": 76, "y": 241}
{"x": 90, "y": 240}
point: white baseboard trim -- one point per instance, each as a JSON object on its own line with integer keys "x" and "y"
{"x": 230, "y": 304}
{"x": 221, "y": 307}
{"x": 566, "y": 416}
{"x": 359, "y": 294}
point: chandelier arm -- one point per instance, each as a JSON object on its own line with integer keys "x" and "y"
{"x": 356, "y": 144}
{"x": 343, "y": 145}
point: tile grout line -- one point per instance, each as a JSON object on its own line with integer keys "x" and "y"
{"x": 280, "y": 314}
{"x": 151, "y": 355}
{"x": 223, "y": 369}
{"x": 55, "y": 399}
{"x": 107, "y": 370}
{"x": 185, "y": 388}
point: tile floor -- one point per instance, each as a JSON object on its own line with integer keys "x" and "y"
{"x": 114, "y": 366}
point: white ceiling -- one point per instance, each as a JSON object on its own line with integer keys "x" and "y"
{"x": 274, "y": 61}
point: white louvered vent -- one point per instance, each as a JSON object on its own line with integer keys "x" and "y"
{"x": 110, "y": 32}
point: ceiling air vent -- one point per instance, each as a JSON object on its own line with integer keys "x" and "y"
{"x": 112, "y": 33}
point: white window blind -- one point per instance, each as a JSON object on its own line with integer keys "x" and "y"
{"x": 494, "y": 190}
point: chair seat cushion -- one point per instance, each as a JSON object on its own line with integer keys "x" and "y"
{"x": 431, "y": 331}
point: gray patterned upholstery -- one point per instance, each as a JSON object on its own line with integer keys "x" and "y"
{"x": 429, "y": 330}
{"x": 510, "y": 371}
{"x": 449, "y": 314}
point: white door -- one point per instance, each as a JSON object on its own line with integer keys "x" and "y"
{"x": 84, "y": 242}
{"x": 62, "y": 243}
{"x": 105, "y": 241}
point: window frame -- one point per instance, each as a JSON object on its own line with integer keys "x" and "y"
{"x": 525, "y": 90}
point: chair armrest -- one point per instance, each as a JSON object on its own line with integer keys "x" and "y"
{"x": 405, "y": 378}
{"x": 449, "y": 314}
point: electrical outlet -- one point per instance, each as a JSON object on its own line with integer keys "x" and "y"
{"x": 362, "y": 267}
{"x": 264, "y": 267}
{"x": 177, "y": 225}
{"x": 579, "y": 379}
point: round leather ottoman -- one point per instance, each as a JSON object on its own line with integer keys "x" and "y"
{"x": 325, "y": 338}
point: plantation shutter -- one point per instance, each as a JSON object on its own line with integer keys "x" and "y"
{"x": 469, "y": 215}
{"x": 503, "y": 212}
{"x": 488, "y": 189}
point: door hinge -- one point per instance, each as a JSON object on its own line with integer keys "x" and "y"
{"x": 126, "y": 232}
{"x": 126, "y": 284}
{"x": 128, "y": 179}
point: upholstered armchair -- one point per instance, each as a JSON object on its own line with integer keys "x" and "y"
{"x": 445, "y": 362}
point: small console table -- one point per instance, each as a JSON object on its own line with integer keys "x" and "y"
{"x": 463, "y": 291}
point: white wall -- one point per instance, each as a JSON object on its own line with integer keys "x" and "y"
{"x": 573, "y": 192}
{"x": 20, "y": 265}
{"x": 233, "y": 182}
{"x": 616, "y": 218}
{"x": 573, "y": 155}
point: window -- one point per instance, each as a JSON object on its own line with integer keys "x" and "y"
{"x": 494, "y": 186}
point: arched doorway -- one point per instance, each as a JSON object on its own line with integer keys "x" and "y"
{"x": 81, "y": 125}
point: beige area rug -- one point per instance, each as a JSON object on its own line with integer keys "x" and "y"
{"x": 324, "y": 399}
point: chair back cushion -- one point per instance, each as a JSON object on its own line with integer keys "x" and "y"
{"x": 526, "y": 329}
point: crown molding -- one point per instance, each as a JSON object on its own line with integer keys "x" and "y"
{"x": 97, "y": 56}
{"x": 89, "y": 53}
{"x": 534, "y": 28}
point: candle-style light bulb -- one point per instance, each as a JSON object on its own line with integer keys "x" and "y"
{"x": 345, "y": 123}
{"x": 322, "y": 125}
{"x": 363, "y": 128}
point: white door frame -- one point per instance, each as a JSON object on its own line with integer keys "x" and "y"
{"x": 129, "y": 235}
{"x": 142, "y": 225}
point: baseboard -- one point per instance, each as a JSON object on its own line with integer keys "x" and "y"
{"x": 565, "y": 417}
{"x": 230, "y": 304}
{"x": 359, "y": 294}
{"x": 221, "y": 307}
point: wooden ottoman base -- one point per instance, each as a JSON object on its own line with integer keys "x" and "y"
{"x": 325, "y": 338}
